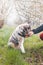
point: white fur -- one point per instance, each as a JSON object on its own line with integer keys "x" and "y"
{"x": 22, "y": 47}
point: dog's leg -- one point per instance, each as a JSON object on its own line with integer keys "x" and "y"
{"x": 22, "y": 47}
{"x": 10, "y": 44}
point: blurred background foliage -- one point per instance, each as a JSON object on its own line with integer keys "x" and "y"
{"x": 15, "y": 12}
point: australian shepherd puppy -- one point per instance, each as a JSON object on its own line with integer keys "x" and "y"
{"x": 16, "y": 40}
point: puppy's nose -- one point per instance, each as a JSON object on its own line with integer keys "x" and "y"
{"x": 29, "y": 34}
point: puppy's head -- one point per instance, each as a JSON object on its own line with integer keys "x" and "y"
{"x": 25, "y": 31}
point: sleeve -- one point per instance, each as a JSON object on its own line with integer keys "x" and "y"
{"x": 37, "y": 30}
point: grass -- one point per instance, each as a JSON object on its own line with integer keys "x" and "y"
{"x": 33, "y": 46}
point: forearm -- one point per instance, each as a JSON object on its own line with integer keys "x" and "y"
{"x": 37, "y": 30}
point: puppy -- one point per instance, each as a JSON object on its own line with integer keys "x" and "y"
{"x": 17, "y": 38}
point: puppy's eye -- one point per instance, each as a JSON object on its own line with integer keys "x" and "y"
{"x": 25, "y": 28}
{"x": 29, "y": 27}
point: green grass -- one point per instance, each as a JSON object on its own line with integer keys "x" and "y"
{"x": 33, "y": 46}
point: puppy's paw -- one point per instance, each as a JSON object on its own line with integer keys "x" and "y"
{"x": 23, "y": 52}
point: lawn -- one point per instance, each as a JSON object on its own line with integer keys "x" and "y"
{"x": 9, "y": 56}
